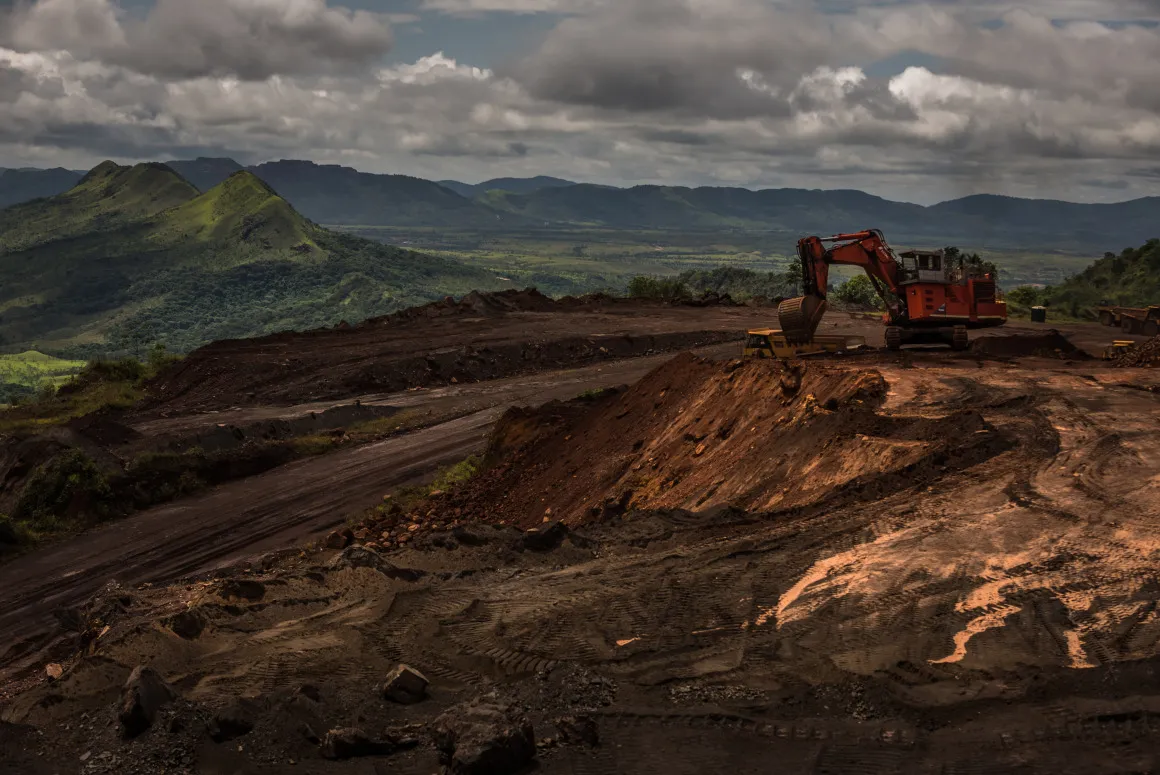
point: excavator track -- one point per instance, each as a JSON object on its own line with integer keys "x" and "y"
{"x": 799, "y": 318}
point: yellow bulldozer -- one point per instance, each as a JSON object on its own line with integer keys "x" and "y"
{"x": 773, "y": 343}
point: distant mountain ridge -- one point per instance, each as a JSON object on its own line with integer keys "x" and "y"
{"x": 343, "y": 196}
{"x": 22, "y": 185}
{"x": 514, "y": 185}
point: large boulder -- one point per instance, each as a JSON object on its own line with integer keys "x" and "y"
{"x": 234, "y": 720}
{"x": 484, "y": 737}
{"x": 145, "y": 693}
{"x": 546, "y": 537}
{"x": 405, "y": 685}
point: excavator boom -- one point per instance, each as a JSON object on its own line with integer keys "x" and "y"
{"x": 800, "y": 317}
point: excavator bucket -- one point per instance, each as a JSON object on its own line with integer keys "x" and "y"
{"x": 799, "y": 318}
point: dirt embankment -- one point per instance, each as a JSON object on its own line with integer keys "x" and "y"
{"x": 697, "y": 434}
{"x": 1050, "y": 344}
{"x": 213, "y": 380}
{"x": 482, "y": 336}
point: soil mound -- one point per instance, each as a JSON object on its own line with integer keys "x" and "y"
{"x": 1051, "y": 344}
{"x": 474, "y": 303}
{"x": 699, "y": 435}
{"x": 1143, "y": 354}
{"x": 214, "y": 377}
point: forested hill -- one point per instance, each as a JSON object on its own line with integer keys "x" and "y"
{"x": 1130, "y": 278}
{"x": 136, "y": 255}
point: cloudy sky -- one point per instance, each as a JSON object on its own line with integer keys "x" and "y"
{"x": 918, "y": 101}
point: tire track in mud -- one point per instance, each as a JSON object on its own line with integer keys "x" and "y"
{"x": 242, "y": 517}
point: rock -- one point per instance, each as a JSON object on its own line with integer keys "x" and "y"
{"x": 246, "y": 589}
{"x": 145, "y": 693}
{"x": 187, "y": 624}
{"x": 234, "y": 720}
{"x": 54, "y": 671}
{"x": 362, "y": 534}
{"x": 361, "y": 557}
{"x": 546, "y": 537}
{"x": 405, "y": 685}
{"x": 578, "y": 729}
{"x": 484, "y": 737}
{"x": 350, "y": 742}
{"x": 468, "y": 535}
{"x": 339, "y": 539}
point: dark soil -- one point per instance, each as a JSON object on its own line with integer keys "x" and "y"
{"x": 483, "y": 336}
{"x": 1051, "y": 344}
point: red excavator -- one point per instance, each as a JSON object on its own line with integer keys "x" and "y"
{"x": 928, "y": 300}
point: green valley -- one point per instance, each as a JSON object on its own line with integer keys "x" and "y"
{"x": 24, "y": 374}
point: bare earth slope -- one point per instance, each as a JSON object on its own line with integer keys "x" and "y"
{"x": 911, "y": 563}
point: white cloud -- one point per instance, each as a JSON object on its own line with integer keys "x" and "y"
{"x": 430, "y": 69}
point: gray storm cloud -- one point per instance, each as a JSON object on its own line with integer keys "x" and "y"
{"x": 750, "y": 92}
{"x": 250, "y": 39}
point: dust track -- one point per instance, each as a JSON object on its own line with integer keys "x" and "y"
{"x": 270, "y": 511}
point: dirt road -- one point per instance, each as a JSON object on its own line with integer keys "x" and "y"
{"x": 273, "y": 510}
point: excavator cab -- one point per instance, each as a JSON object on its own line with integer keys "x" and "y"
{"x": 922, "y": 266}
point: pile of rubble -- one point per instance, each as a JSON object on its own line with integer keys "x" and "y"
{"x": 1143, "y": 354}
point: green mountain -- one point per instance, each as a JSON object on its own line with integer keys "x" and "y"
{"x": 108, "y": 197}
{"x": 514, "y": 185}
{"x": 135, "y": 255}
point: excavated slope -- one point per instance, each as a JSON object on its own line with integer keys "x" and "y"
{"x": 699, "y": 435}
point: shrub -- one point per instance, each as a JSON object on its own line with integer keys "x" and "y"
{"x": 119, "y": 370}
{"x": 159, "y": 358}
{"x": 70, "y": 482}
{"x": 1027, "y": 296}
{"x": 858, "y": 292}
{"x": 658, "y": 288}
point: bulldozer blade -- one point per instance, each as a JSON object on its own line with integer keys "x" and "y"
{"x": 799, "y": 318}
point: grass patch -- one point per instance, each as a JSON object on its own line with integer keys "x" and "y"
{"x": 100, "y": 385}
{"x": 314, "y": 444}
{"x": 25, "y": 375}
{"x": 456, "y": 475}
{"x": 406, "y": 499}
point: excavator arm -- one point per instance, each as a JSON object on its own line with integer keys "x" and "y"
{"x": 800, "y": 317}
